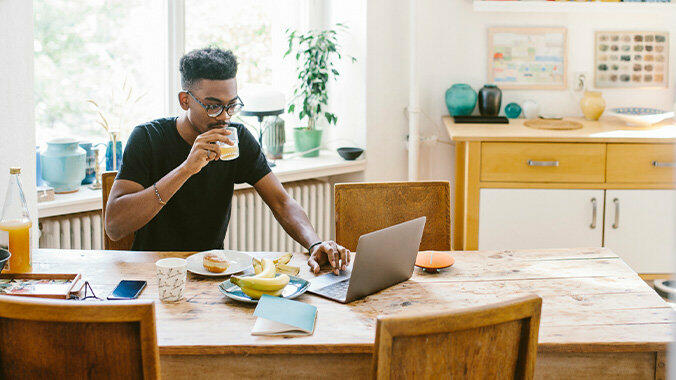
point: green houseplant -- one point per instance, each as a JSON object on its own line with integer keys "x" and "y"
{"x": 316, "y": 51}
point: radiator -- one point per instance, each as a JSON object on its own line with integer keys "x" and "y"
{"x": 72, "y": 231}
{"x": 252, "y": 226}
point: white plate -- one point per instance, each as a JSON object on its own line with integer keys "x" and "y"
{"x": 239, "y": 261}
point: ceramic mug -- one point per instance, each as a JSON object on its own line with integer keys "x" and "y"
{"x": 172, "y": 275}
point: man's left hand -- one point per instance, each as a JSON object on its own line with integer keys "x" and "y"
{"x": 336, "y": 255}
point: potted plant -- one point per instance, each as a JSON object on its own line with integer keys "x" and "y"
{"x": 316, "y": 51}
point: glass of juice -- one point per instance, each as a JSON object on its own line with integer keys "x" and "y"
{"x": 230, "y": 152}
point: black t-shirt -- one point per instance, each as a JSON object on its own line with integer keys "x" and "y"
{"x": 196, "y": 217}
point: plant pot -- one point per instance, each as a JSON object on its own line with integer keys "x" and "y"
{"x": 63, "y": 165}
{"x": 307, "y": 139}
{"x": 460, "y": 100}
{"x": 490, "y": 98}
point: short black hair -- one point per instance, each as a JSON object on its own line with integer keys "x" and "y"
{"x": 207, "y": 63}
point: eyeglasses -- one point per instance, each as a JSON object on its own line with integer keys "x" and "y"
{"x": 214, "y": 110}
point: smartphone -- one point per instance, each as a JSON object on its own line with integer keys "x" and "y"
{"x": 127, "y": 290}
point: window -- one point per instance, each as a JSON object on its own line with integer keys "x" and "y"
{"x": 241, "y": 26}
{"x": 102, "y": 49}
{"x": 109, "y": 51}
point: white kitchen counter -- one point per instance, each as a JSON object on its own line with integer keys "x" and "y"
{"x": 288, "y": 170}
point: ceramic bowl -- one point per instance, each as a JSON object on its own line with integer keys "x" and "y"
{"x": 295, "y": 288}
{"x": 640, "y": 116}
{"x": 350, "y": 154}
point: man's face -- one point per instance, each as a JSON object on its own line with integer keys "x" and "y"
{"x": 209, "y": 92}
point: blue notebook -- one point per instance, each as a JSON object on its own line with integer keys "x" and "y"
{"x": 283, "y": 317}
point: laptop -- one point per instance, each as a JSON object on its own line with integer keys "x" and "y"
{"x": 384, "y": 258}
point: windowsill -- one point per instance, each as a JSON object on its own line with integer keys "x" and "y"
{"x": 287, "y": 170}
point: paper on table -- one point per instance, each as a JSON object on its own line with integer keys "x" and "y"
{"x": 264, "y": 326}
{"x": 281, "y": 316}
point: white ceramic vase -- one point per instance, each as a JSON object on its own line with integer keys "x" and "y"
{"x": 531, "y": 109}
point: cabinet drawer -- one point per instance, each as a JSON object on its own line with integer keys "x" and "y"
{"x": 641, "y": 163}
{"x": 542, "y": 162}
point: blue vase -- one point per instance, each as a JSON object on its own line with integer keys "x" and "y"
{"x": 109, "y": 156}
{"x": 90, "y": 168}
{"x": 63, "y": 165}
{"x": 460, "y": 100}
{"x": 513, "y": 110}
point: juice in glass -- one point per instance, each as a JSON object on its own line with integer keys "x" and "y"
{"x": 230, "y": 152}
{"x": 17, "y": 232}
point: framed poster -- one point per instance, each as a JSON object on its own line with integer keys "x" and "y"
{"x": 528, "y": 58}
{"x": 631, "y": 59}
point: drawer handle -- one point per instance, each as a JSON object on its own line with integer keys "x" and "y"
{"x": 658, "y": 164}
{"x": 594, "y": 209}
{"x": 542, "y": 163}
{"x": 616, "y": 224}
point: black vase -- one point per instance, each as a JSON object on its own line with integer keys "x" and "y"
{"x": 490, "y": 98}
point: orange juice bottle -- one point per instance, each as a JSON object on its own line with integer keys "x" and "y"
{"x": 15, "y": 225}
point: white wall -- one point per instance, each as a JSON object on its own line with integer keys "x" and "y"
{"x": 17, "y": 129}
{"x": 348, "y": 93}
{"x": 452, "y": 49}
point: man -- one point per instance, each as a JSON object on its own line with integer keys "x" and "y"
{"x": 175, "y": 192}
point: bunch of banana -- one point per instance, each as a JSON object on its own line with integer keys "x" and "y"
{"x": 264, "y": 282}
{"x": 281, "y": 264}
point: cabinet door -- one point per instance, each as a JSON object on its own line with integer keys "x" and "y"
{"x": 540, "y": 218}
{"x": 640, "y": 227}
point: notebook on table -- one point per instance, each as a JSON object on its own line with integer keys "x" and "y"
{"x": 279, "y": 316}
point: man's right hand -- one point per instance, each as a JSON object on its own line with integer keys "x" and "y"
{"x": 205, "y": 149}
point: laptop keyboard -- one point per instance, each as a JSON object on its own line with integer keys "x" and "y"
{"x": 337, "y": 290}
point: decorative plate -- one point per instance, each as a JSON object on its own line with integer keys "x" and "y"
{"x": 431, "y": 261}
{"x": 640, "y": 116}
{"x": 295, "y": 288}
{"x": 239, "y": 262}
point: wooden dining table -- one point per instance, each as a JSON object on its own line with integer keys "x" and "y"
{"x": 599, "y": 319}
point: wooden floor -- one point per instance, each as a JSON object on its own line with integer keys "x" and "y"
{"x": 599, "y": 319}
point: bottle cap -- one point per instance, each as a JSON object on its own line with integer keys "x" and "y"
{"x": 15, "y": 170}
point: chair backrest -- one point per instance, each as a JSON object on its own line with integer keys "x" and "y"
{"x": 58, "y": 339}
{"x": 361, "y": 208}
{"x": 124, "y": 244}
{"x": 489, "y": 342}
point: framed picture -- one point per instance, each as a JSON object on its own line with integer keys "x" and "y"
{"x": 631, "y": 59}
{"x": 528, "y": 58}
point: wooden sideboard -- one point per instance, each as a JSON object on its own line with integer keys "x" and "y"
{"x": 607, "y": 184}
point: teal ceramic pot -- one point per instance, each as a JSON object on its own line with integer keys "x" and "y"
{"x": 460, "y": 100}
{"x": 63, "y": 165}
{"x": 513, "y": 111}
{"x": 306, "y": 139}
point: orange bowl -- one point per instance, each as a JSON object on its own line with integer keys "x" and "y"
{"x": 433, "y": 261}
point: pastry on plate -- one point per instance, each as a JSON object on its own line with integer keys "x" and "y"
{"x": 215, "y": 262}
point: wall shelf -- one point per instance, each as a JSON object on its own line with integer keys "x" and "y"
{"x": 569, "y": 6}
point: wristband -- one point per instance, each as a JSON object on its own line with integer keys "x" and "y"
{"x": 313, "y": 245}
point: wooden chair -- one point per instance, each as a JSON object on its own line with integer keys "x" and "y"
{"x": 489, "y": 342}
{"x": 124, "y": 244}
{"x": 365, "y": 207}
{"x": 58, "y": 339}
